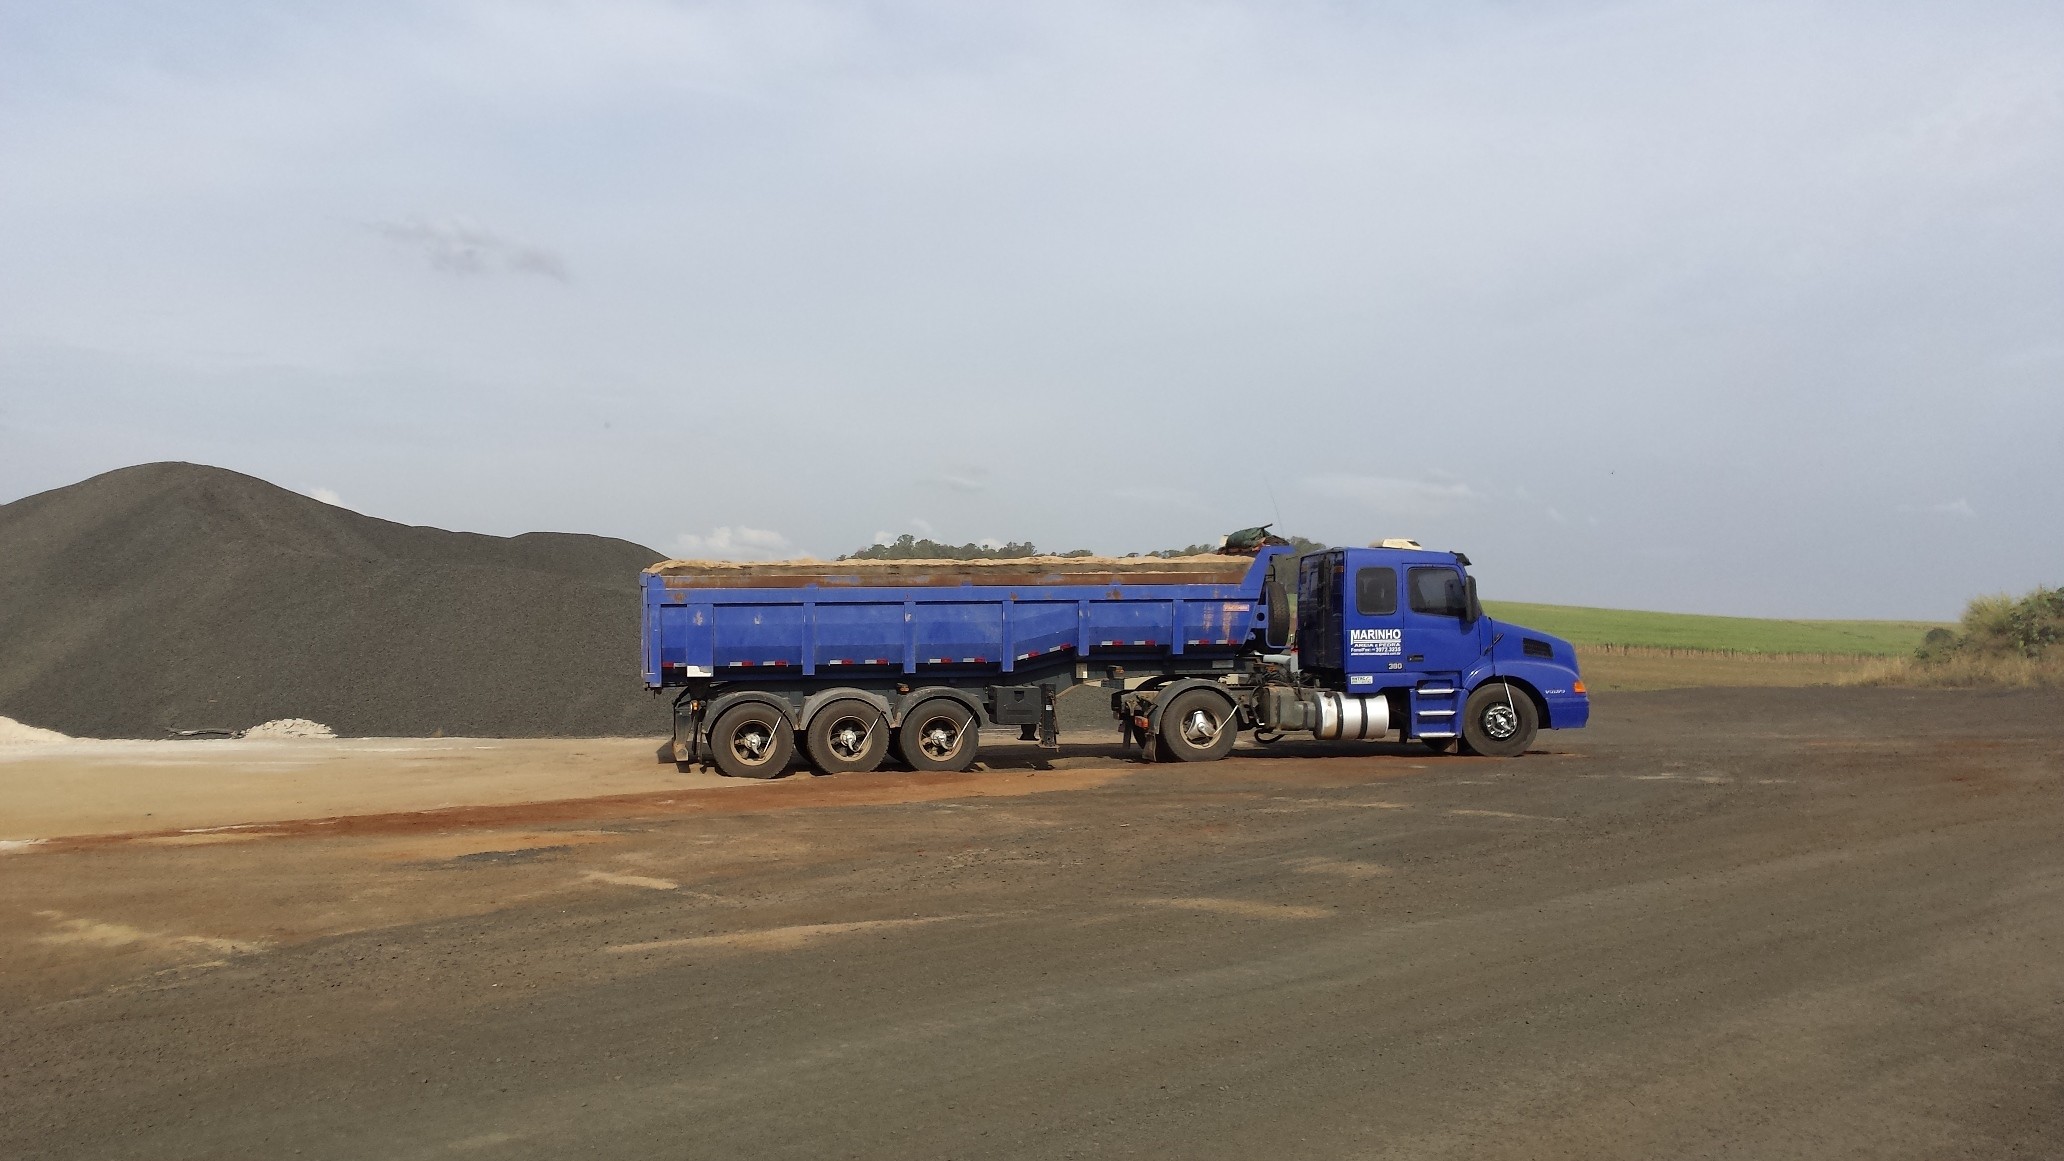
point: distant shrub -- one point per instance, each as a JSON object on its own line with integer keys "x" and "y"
{"x": 1937, "y": 643}
{"x": 908, "y": 547}
{"x": 2001, "y": 625}
{"x": 2001, "y": 640}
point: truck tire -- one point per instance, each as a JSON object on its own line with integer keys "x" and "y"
{"x": 1499, "y": 721}
{"x": 752, "y": 740}
{"x": 939, "y": 735}
{"x": 849, "y": 736}
{"x": 1197, "y": 726}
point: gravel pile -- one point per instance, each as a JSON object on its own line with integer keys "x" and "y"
{"x": 176, "y": 596}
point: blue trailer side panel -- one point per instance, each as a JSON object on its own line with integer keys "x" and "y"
{"x": 959, "y": 632}
{"x": 856, "y": 635}
{"x": 720, "y": 632}
{"x": 1039, "y": 628}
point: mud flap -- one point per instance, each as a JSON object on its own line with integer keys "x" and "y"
{"x": 687, "y": 744}
{"x": 1135, "y": 723}
{"x": 1143, "y": 729}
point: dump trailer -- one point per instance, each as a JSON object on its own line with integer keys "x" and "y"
{"x": 854, "y": 660}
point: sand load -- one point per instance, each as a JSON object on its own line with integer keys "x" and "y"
{"x": 1026, "y": 571}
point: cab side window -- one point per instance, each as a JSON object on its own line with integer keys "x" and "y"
{"x": 1375, "y": 592}
{"x": 1437, "y": 591}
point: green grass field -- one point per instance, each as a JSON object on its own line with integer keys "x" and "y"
{"x": 1582, "y": 626}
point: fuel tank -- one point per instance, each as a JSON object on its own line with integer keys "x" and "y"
{"x": 1325, "y": 714}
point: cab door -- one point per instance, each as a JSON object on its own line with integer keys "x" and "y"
{"x": 1375, "y": 633}
{"x": 1438, "y": 637}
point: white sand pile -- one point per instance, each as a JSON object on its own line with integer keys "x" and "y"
{"x": 290, "y": 728}
{"x": 15, "y": 733}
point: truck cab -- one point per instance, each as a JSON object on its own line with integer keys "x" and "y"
{"x": 1403, "y": 623}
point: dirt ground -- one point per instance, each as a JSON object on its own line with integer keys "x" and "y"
{"x": 1738, "y": 923}
{"x": 88, "y": 788}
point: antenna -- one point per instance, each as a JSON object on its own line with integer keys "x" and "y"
{"x": 1272, "y": 500}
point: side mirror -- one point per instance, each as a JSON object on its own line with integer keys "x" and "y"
{"x": 1472, "y": 609}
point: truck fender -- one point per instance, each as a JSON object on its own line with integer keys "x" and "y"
{"x": 825, "y": 697}
{"x": 717, "y": 706}
{"x": 1517, "y": 681}
{"x": 915, "y": 697}
{"x": 1168, "y": 692}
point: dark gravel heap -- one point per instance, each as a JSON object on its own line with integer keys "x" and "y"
{"x": 182, "y": 596}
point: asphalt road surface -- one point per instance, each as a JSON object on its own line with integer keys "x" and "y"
{"x": 1726, "y": 923}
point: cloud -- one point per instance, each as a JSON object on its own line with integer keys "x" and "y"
{"x": 327, "y": 496}
{"x": 1393, "y": 496}
{"x": 999, "y": 261}
{"x": 736, "y": 542}
{"x": 457, "y": 246}
{"x": 967, "y": 478}
{"x": 1958, "y": 508}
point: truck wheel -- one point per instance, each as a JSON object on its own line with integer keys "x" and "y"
{"x": 1499, "y": 721}
{"x": 751, "y": 740}
{"x": 939, "y": 735}
{"x": 1197, "y": 726}
{"x": 849, "y": 736}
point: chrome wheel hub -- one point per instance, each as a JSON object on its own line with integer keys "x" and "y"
{"x": 751, "y": 744}
{"x": 848, "y": 738}
{"x": 939, "y": 739}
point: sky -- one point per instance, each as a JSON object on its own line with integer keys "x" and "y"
{"x": 1749, "y": 308}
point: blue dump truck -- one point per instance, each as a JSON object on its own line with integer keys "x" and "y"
{"x": 854, "y": 659}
